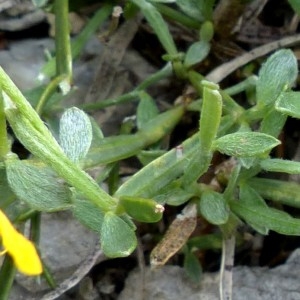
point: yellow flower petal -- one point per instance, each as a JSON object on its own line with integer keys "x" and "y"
{"x": 19, "y": 248}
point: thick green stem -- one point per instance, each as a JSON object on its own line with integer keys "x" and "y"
{"x": 79, "y": 42}
{"x": 7, "y": 275}
{"x": 52, "y": 155}
{"x": 4, "y": 144}
{"x": 62, "y": 39}
{"x": 36, "y": 137}
{"x": 49, "y": 91}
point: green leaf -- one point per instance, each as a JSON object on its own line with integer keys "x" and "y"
{"x": 192, "y": 266}
{"x": 5, "y": 190}
{"x": 173, "y": 194}
{"x": 158, "y": 24}
{"x": 281, "y": 191}
{"x": 80, "y": 41}
{"x": 147, "y": 156}
{"x": 96, "y": 133}
{"x": 207, "y": 31}
{"x": 117, "y": 237}
{"x": 141, "y": 209}
{"x": 38, "y": 186}
{"x": 87, "y": 213}
{"x": 204, "y": 242}
{"x": 295, "y": 4}
{"x": 250, "y": 197}
{"x": 115, "y": 148}
{"x": 280, "y": 165}
{"x": 146, "y": 110}
{"x": 160, "y": 172}
{"x": 272, "y": 123}
{"x": 75, "y": 133}
{"x": 270, "y": 218}
{"x": 162, "y": 1}
{"x": 213, "y": 207}
{"x": 211, "y": 106}
{"x": 196, "y": 53}
{"x": 247, "y": 144}
{"x": 289, "y": 104}
{"x": 199, "y": 10}
{"x": 278, "y": 73}
{"x": 39, "y": 3}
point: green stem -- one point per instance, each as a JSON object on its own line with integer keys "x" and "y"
{"x": 158, "y": 24}
{"x": 62, "y": 39}
{"x": 7, "y": 275}
{"x": 109, "y": 102}
{"x": 35, "y": 228}
{"x": 49, "y": 152}
{"x": 166, "y": 71}
{"x": 4, "y": 143}
{"x": 242, "y": 86}
{"x": 176, "y": 16}
{"x": 49, "y": 91}
{"x": 36, "y": 137}
{"x": 79, "y": 42}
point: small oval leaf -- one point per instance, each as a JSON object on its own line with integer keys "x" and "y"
{"x": 247, "y": 144}
{"x": 196, "y": 53}
{"x": 213, "y": 207}
{"x": 141, "y": 209}
{"x": 192, "y": 266}
{"x": 75, "y": 133}
{"x": 117, "y": 237}
{"x": 277, "y": 73}
{"x": 38, "y": 186}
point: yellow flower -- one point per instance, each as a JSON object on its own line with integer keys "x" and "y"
{"x": 21, "y": 250}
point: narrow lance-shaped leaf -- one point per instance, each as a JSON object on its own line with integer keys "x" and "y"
{"x": 160, "y": 172}
{"x": 211, "y": 112}
{"x": 146, "y": 110}
{"x": 250, "y": 197}
{"x": 211, "y": 106}
{"x": 158, "y": 24}
{"x": 277, "y": 190}
{"x": 272, "y": 219}
{"x": 280, "y": 165}
{"x": 114, "y": 148}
